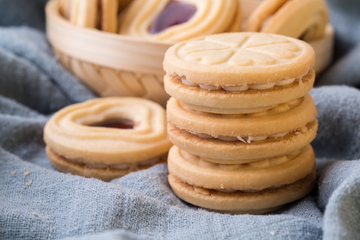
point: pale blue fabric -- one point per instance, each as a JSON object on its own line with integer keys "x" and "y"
{"x": 47, "y": 204}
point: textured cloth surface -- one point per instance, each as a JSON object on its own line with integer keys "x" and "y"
{"x": 38, "y": 202}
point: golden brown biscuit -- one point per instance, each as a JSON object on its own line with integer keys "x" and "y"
{"x": 99, "y": 171}
{"x": 83, "y": 13}
{"x": 234, "y": 73}
{"x": 305, "y": 19}
{"x": 107, "y": 133}
{"x": 101, "y": 14}
{"x": 109, "y": 12}
{"x": 254, "y": 176}
{"x": 243, "y": 202}
{"x": 65, "y": 8}
{"x": 236, "y": 102}
{"x": 241, "y": 120}
{"x": 124, "y": 4}
{"x": 203, "y": 18}
{"x": 323, "y": 49}
{"x": 243, "y": 137}
{"x": 261, "y": 13}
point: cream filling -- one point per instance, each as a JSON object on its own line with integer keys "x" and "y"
{"x": 240, "y": 88}
{"x": 206, "y": 191}
{"x": 243, "y": 139}
{"x": 260, "y": 111}
{"x": 259, "y": 164}
{"x": 122, "y": 166}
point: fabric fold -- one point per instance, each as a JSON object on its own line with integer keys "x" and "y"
{"x": 39, "y": 202}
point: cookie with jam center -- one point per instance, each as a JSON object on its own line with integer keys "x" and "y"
{"x": 175, "y": 21}
{"x": 107, "y": 137}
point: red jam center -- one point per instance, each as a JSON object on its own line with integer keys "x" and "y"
{"x": 174, "y": 13}
{"x": 115, "y": 123}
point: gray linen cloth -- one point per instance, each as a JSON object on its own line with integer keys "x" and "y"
{"x": 38, "y": 202}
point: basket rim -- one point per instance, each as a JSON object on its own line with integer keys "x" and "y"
{"x": 52, "y": 12}
{"x": 118, "y": 51}
{"x": 109, "y": 50}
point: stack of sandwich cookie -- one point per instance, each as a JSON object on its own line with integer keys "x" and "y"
{"x": 241, "y": 120}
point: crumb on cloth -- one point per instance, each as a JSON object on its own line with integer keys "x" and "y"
{"x": 28, "y": 183}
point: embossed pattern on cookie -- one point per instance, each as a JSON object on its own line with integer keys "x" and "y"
{"x": 236, "y": 58}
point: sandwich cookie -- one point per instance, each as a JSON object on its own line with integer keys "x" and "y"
{"x": 243, "y": 138}
{"x": 256, "y": 187}
{"x": 241, "y": 202}
{"x": 249, "y": 177}
{"x": 304, "y": 19}
{"x": 180, "y": 20}
{"x": 234, "y": 73}
{"x": 107, "y": 138}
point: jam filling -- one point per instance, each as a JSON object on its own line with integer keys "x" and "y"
{"x": 115, "y": 123}
{"x": 174, "y": 13}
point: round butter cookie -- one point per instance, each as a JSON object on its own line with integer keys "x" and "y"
{"x": 234, "y": 73}
{"x": 107, "y": 138}
{"x": 180, "y": 20}
{"x": 240, "y": 202}
{"x": 241, "y": 138}
{"x": 249, "y": 177}
{"x": 305, "y": 19}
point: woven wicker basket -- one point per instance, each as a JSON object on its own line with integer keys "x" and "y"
{"x": 117, "y": 65}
